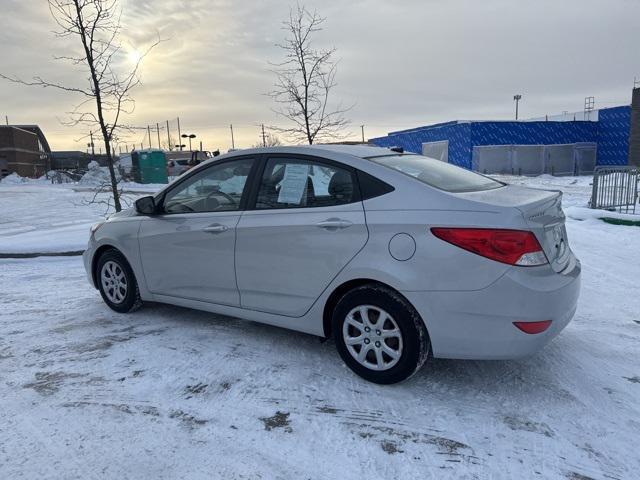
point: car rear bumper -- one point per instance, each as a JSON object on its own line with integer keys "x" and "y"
{"x": 479, "y": 324}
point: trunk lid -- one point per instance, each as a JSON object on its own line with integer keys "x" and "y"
{"x": 542, "y": 212}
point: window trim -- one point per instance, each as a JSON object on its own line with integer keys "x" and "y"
{"x": 264, "y": 160}
{"x": 245, "y": 191}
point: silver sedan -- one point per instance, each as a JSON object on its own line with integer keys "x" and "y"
{"x": 396, "y": 256}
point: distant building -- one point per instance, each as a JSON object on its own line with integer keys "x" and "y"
{"x": 634, "y": 133}
{"x": 76, "y": 160}
{"x": 69, "y": 160}
{"x": 567, "y": 144}
{"x": 23, "y": 150}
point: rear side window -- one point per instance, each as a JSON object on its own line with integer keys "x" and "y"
{"x": 371, "y": 187}
{"x": 438, "y": 174}
{"x": 294, "y": 183}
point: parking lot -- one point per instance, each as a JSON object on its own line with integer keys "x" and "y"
{"x": 173, "y": 393}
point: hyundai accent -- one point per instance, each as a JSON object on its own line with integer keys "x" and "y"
{"x": 394, "y": 255}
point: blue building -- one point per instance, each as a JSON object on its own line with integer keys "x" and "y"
{"x": 461, "y": 142}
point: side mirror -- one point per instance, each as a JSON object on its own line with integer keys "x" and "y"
{"x": 146, "y": 205}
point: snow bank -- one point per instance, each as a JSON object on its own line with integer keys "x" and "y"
{"x": 15, "y": 179}
{"x": 97, "y": 176}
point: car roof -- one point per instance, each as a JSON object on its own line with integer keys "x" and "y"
{"x": 361, "y": 151}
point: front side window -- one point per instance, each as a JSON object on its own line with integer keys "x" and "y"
{"x": 215, "y": 189}
{"x": 438, "y": 174}
{"x": 294, "y": 183}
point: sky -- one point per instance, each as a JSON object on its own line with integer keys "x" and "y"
{"x": 402, "y": 63}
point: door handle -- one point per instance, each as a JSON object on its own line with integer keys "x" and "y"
{"x": 334, "y": 224}
{"x": 215, "y": 228}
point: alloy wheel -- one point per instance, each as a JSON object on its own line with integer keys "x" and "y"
{"x": 114, "y": 281}
{"x": 372, "y": 337}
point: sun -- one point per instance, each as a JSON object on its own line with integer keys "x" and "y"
{"x": 134, "y": 56}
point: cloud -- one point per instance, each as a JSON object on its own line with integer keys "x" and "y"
{"x": 403, "y": 63}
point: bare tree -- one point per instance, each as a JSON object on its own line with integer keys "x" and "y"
{"x": 304, "y": 81}
{"x": 270, "y": 140}
{"x": 96, "y": 25}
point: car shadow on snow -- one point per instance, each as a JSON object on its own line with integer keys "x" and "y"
{"x": 532, "y": 377}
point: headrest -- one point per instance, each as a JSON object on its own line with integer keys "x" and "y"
{"x": 341, "y": 186}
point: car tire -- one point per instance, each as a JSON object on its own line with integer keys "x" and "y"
{"x": 117, "y": 283}
{"x": 396, "y": 343}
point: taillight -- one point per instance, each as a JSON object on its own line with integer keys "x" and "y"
{"x": 515, "y": 247}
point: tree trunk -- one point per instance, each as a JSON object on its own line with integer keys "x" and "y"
{"x": 112, "y": 172}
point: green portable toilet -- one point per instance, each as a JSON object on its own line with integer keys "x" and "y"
{"x": 149, "y": 166}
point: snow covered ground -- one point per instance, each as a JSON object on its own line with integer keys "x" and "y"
{"x": 173, "y": 393}
{"x": 36, "y": 216}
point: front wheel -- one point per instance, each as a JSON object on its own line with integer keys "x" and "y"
{"x": 117, "y": 283}
{"x": 379, "y": 334}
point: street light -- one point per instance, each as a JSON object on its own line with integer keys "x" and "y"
{"x": 180, "y": 147}
{"x": 189, "y": 136}
{"x": 517, "y": 98}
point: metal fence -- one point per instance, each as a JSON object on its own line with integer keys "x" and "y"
{"x": 569, "y": 159}
{"x": 438, "y": 150}
{"x": 615, "y": 188}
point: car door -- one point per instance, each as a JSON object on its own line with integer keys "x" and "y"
{"x": 306, "y": 224}
{"x": 187, "y": 250}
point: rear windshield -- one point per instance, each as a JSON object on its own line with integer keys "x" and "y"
{"x": 438, "y": 174}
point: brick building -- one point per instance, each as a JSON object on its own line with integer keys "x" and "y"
{"x": 23, "y": 150}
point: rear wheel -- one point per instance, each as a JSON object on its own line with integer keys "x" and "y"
{"x": 117, "y": 283}
{"x": 379, "y": 335}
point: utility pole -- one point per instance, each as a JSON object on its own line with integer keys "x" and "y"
{"x": 264, "y": 137}
{"x": 517, "y": 98}
{"x": 589, "y": 106}
{"x": 169, "y": 146}
{"x": 233, "y": 143}
{"x": 200, "y": 145}
{"x": 93, "y": 152}
{"x": 362, "y": 128}
{"x": 158, "y": 129}
{"x": 179, "y": 134}
{"x": 6, "y": 117}
{"x": 149, "y": 135}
